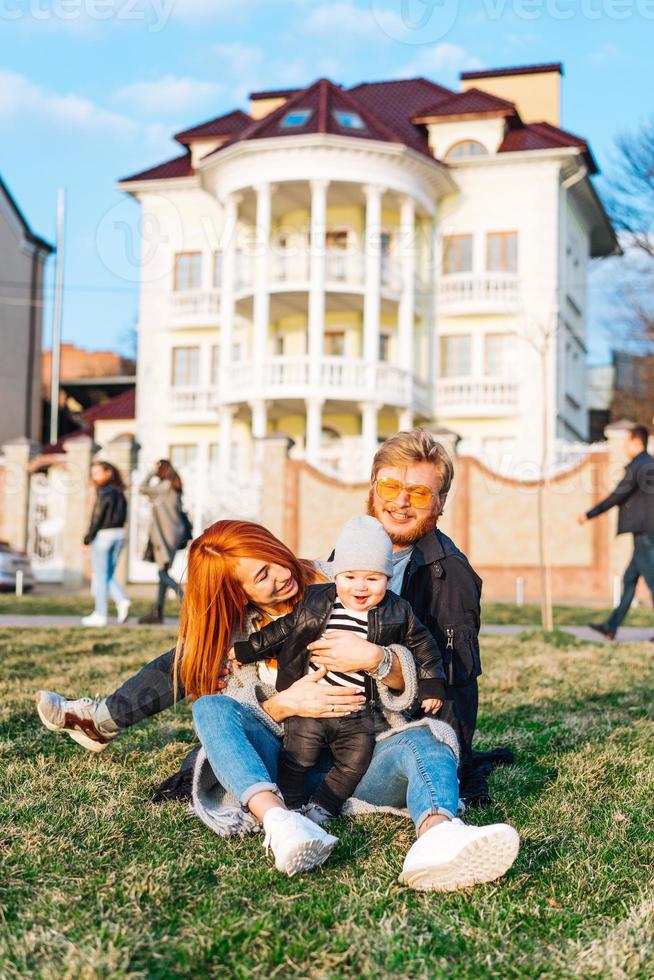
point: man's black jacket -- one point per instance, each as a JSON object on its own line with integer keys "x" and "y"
{"x": 634, "y": 495}
{"x": 392, "y": 621}
{"x": 109, "y": 510}
{"x": 445, "y": 593}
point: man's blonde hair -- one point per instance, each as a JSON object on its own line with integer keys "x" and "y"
{"x": 416, "y": 446}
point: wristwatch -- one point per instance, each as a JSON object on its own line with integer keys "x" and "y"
{"x": 384, "y": 667}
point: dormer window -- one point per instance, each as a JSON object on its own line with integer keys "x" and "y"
{"x": 348, "y": 120}
{"x": 295, "y": 118}
{"x": 465, "y": 149}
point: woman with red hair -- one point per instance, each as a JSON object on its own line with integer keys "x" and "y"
{"x": 239, "y": 578}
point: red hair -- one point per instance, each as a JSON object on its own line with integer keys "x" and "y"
{"x": 215, "y": 601}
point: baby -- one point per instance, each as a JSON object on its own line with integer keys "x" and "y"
{"x": 358, "y": 601}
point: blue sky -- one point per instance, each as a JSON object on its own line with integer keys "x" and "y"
{"x": 92, "y": 90}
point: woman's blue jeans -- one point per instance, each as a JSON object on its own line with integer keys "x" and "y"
{"x": 410, "y": 769}
{"x": 105, "y": 552}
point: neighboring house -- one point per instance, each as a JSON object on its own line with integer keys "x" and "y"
{"x": 601, "y": 378}
{"x": 87, "y": 379}
{"x": 22, "y": 261}
{"x": 343, "y": 262}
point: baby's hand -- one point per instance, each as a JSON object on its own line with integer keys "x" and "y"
{"x": 431, "y": 705}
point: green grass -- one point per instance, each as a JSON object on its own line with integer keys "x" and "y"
{"x": 99, "y": 883}
{"x": 35, "y": 604}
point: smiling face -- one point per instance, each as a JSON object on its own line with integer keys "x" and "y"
{"x": 361, "y": 590}
{"x": 265, "y": 583}
{"x": 404, "y": 523}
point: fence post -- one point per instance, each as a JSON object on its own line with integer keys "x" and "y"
{"x": 18, "y": 453}
{"x": 520, "y": 591}
{"x": 274, "y": 458}
{"x": 74, "y": 483}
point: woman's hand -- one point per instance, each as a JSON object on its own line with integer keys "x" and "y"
{"x": 343, "y": 651}
{"x": 309, "y": 699}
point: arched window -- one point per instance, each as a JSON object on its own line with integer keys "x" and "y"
{"x": 466, "y": 148}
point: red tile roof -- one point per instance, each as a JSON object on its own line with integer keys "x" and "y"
{"x": 274, "y": 93}
{"x": 323, "y": 99}
{"x": 177, "y": 167}
{"x": 472, "y": 102}
{"x": 520, "y": 70}
{"x": 227, "y": 125}
{"x": 544, "y": 136}
{"x": 396, "y": 102}
{"x": 121, "y": 406}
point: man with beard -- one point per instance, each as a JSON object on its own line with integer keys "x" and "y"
{"x": 411, "y": 477}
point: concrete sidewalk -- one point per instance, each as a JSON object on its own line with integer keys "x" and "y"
{"x": 628, "y": 634}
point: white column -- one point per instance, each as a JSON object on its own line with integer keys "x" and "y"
{"x": 227, "y": 413}
{"x": 317, "y": 280}
{"x": 406, "y": 313}
{"x": 313, "y": 437}
{"x": 372, "y": 295}
{"x": 369, "y": 429}
{"x": 230, "y": 222}
{"x": 261, "y": 294}
{"x": 259, "y": 409}
{"x": 404, "y": 419}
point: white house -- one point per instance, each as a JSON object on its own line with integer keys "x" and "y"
{"x": 339, "y": 263}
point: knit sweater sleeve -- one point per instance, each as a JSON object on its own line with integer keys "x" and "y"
{"x": 399, "y": 701}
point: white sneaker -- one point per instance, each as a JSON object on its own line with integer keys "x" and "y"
{"x": 452, "y": 855}
{"x": 297, "y": 843}
{"x": 122, "y": 608}
{"x": 76, "y": 718}
{"x": 95, "y": 619}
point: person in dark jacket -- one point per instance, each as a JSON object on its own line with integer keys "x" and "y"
{"x": 106, "y": 536}
{"x": 168, "y": 533}
{"x": 358, "y": 601}
{"x": 634, "y": 498}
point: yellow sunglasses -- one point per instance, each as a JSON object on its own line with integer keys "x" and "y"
{"x": 389, "y": 489}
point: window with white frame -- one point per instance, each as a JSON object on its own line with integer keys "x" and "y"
{"x": 456, "y": 356}
{"x": 188, "y": 270}
{"x": 296, "y": 118}
{"x": 457, "y": 254}
{"x": 384, "y": 347}
{"x": 348, "y": 120}
{"x": 186, "y": 366}
{"x": 502, "y": 251}
{"x": 499, "y": 354}
{"x": 183, "y": 455}
{"x": 465, "y": 149}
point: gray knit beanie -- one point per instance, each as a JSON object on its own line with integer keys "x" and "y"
{"x": 363, "y": 545}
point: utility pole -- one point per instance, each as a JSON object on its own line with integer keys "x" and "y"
{"x": 55, "y": 361}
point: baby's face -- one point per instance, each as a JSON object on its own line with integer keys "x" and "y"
{"x": 360, "y": 591}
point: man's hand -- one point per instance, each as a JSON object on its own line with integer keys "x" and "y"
{"x": 431, "y": 705}
{"x": 309, "y": 699}
{"x": 343, "y": 651}
{"x": 582, "y": 519}
{"x": 222, "y": 678}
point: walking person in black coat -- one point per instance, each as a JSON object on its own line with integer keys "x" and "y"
{"x": 634, "y": 496}
{"x": 168, "y": 533}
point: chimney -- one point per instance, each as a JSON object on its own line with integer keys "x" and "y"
{"x": 535, "y": 89}
{"x": 263, "y": 103}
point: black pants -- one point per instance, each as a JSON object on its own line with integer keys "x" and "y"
{"x": 460, "y": 711}
{"x": 166, "y": 581}
{"x": 351, "y": 740}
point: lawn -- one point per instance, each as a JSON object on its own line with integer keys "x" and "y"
{"x": 98, "y": 882}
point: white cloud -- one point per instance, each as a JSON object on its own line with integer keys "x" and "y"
{"x": 606, "y": 54}
{"x": 441, "y": 63}
{"x": 20, "y": 98}
{"x": 167, "y": 95}
{"x": 344, "y": 20}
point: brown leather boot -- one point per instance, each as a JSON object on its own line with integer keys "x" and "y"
{"x": 153, "y": 617}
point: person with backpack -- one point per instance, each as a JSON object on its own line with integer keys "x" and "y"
{"x": 169, "y": 532}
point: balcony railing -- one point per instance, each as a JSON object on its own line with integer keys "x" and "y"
{"x": 343, "y": 267}
{"x": 345, "y": 379}
{"x": 191, "y": 306}
{"x": 490, "y": 292}
{"x": 476, "y": 397}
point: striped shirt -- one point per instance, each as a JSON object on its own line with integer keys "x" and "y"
{"x": 355, "y": 622}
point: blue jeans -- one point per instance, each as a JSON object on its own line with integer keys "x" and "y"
{"x": 105, "y": 551}
{"x": 642, "y": 563}
{"x": 410, "y": 769}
